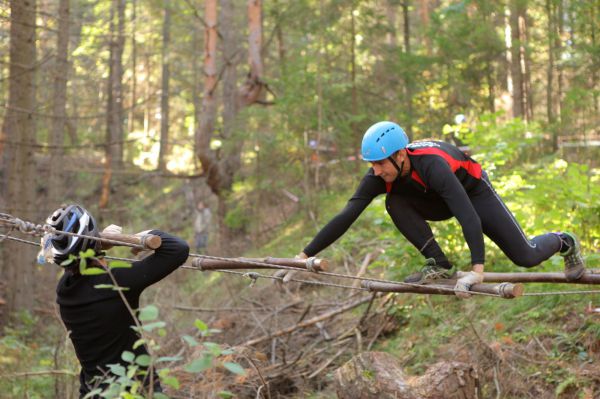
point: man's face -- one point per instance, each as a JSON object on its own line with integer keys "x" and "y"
{"x": 385, "y": 169}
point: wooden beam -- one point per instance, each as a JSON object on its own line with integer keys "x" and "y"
{"x": 446, "y": 287}
{"x": 589, "y": 277}
{"x": 147, "y": 241}
{"x": 248, "y": 263}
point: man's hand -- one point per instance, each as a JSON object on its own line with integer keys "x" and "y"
{"x": 464, "y": 284}
{"x": 112, "y": 229}
{"x": 285, "y": 274}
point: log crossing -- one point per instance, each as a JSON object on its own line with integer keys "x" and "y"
{"x": 589, "y": 277}
{"x": 446, "y": 287}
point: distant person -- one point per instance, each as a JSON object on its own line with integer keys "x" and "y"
{"x": 201, "y": 226}
{"x": 99, "y": 323}
{"x": 432, "y": 181}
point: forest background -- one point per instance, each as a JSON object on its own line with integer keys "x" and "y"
{"x": 137, "y": 109}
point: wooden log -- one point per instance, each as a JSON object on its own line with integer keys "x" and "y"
{"x": 446, "y": 287}
{"x": 247, "y": 263}
{"x": 378, "y": 375}
{"x": 146, "y": 241}
{"x": 589, "y": 277}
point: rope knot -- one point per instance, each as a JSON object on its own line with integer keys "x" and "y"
{"x": 28, "y": 227}
{"x": 310, "y": 264}
{"x": 253, "y": 276}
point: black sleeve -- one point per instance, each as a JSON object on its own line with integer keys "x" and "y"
{"x": 172, "y": 253}
{"x": 369, "y": 187}
{"x": 440, "y": 178}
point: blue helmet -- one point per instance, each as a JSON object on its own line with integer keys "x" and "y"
{"x": 381, "y": 140}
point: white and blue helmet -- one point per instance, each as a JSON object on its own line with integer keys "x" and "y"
{"x": 56, "y": 247}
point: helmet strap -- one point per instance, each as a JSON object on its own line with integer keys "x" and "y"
{"x": 398, "y": 168}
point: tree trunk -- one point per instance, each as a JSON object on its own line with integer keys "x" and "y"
{"x": 516, "y": 60}
{"x": 550, "y": 74}
{"x": 524, "y": 22}
{"x": 114, "y": 104}
{"x": 560, "y": 26}
{"x": 132, "y": 109}
{"x": 164, "y": 97}
{"x": 18, "y": 269}
{"x": 408, "y": 89}
{"x": 208, "y": 115}
{"x": 424, "y": 18}
{"x": 61, "y": 70}
{"x": 378, "y": 375}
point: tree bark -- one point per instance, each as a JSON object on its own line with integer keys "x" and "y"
{"x": 61, "y": 71}
{"x": 164, "y": 97}
{"x": 18, "y": 269}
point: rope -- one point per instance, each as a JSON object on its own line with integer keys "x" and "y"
{"x": 39, "y": 230}
{"x": 33, "y": 229}
{"x": 346, "y": 276}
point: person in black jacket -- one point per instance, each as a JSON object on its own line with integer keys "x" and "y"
{"x": 432, "y": 181}
{"x": 99, "y": 323}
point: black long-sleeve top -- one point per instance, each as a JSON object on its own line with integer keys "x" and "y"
{"x": 98, "y": 321}
{"x": 438, "y": 170}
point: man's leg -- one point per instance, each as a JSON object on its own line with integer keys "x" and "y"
{"x": 500, "y": 225}
{"x": 410, "y": 221}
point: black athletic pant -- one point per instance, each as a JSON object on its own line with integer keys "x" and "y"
{"x": 410, "y": 215}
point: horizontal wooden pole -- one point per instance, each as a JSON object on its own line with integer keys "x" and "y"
{"x": 555, "y": 277}
{"x": 147, "y": 241}
{"x": 442, "y": 287}
{"x": 267, "y": 263}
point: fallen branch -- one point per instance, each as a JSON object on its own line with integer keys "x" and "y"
{"x": 309, "y": 322}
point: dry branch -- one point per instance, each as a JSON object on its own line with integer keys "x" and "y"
{"x": 309, "y": 322}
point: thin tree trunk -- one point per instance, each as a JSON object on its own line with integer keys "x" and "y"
{"x": 526, "y": 64}
{"x": 164, "y": 97}
{"x": 114, "y": 105}
{"x": 595, "y": 65}
{"x": 550, "y": 74}
{"x": 206, "y": 124}
{"x": 559, "y": 49}
{"x": 407, "y": 76}
{"x": 424, "y": 26}
{"x": 390, "y": 13}
{"x": 61, "y": 69}
{"x": 132, "y": 109}
{"x": 353, "y": 126}
{"x": 516, "y": 60}
{"x": 147, "y": 91}
{"x": 18, "y": 269}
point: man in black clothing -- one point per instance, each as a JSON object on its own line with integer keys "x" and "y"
{"x": 98, "y": 320}
{"x": 432, "y": 181}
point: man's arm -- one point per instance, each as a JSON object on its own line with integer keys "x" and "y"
{"x": 172, "y": 253}
{"x": 369, "y": 188}
{"x": 441, "y": 179}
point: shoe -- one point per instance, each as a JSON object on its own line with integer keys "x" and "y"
{"x": 430, "y": 271}
{"x": 574, "y": 263}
